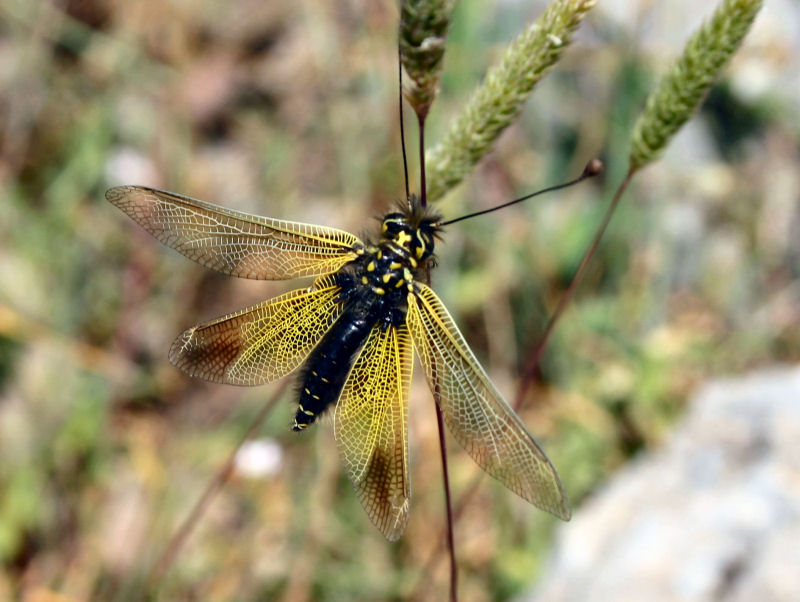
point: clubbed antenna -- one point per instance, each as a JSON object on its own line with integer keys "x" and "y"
{"x": 593, "y": 168}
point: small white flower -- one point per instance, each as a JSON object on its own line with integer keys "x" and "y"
{"x": 259, "y": 458}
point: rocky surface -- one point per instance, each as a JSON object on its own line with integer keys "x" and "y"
{"x": 714, "y": 515}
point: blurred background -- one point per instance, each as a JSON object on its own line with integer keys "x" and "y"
{"x": 289, "y": 109}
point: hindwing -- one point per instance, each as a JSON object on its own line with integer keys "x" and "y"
{"x": 262, "y": 343}
{"x": 475, "y": 411}
{"x": 370, "y": 426}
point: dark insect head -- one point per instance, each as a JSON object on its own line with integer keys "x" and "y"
{"x": 413, "y": 227}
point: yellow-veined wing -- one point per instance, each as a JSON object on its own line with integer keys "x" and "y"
{"x": 262, "y": 343}
{"x": 475, "y": 411}
{"x": 234, "y": 242}
{"x": 370, "y": 423}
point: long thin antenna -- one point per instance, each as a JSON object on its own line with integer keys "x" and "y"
{"x": 593, "y": 167}
{"x": 423, "y": 201}
{"x": 400, "y": 107}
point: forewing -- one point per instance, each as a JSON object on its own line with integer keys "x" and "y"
{"x": 370, "y": 423}
{"x": 262, "y": 343}
{"x": 475, "y": 411}
{"x": 234, "y": 242}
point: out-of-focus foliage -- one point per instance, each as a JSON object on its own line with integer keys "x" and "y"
{"x": 289, "y": 110}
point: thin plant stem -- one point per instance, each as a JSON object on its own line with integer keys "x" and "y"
{"x": 533, "y": 363}
{"x": 421, "y": 99}
{"x": 449, "y": 505}
{"x": 439, "y": 420}
{"x": 400, "y": 112}
{"x": 215, "y": 485}
{"x": 451, "y": 546}
{"x": 422, "y": 184}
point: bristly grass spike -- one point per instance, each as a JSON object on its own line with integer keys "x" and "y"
{"x": 353, "y": 332}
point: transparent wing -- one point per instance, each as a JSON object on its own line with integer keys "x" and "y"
{"x": 475, "y": 411}
{"x": 370, "y": 423}
{"x": 262, "y": 343}
{"x": 234, "y": 242}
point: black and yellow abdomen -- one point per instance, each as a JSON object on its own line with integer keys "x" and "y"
{"x": 373, "y": 292}
{"x": 329, "y": 365}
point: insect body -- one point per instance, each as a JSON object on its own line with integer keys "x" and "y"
{"x": 374, "y": 288}
{"x": 354, "y": 331}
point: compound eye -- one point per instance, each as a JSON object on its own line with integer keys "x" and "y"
{"x": 393, "y": 223}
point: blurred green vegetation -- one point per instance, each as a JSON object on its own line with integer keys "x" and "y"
{"x": 289, "y": 110}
